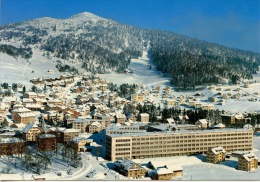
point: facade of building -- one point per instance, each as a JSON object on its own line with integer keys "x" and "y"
{"x": 137, "y": 98}
{"x": 31, "y": 132}
{"x": 247, "y": 162}
{"x": 24, "y": 118}
{"x": 120, "y": 118}
{"x": 78, "y": 144}
{"x": 11, "y": 146}
{"x": 94, "y": 127}
{"x": 68, "y": 134}
{"x": 215, "y": 155}
{"x": 144, "y": 118}
{"x": 163, "y": 144}
{"x": 129, "y": 168}
{"x": 46, "y": 142}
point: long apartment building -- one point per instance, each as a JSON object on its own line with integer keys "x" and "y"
{"x": 164, "y": 144}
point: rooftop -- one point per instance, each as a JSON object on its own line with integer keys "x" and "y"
{"x": 181, "y": 132}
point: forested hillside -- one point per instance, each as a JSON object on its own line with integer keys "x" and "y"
{"x": 101, "y": 46}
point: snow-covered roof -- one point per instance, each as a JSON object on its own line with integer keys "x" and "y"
{"x": 71, "y": 130}
{"x": 78, "y": 139}
{"x": 23, "y": 109}
{"x": 218, "y": 150}
{"x": 96, "y": 123}
{"x": 11, "y": 140}
{"x": 220, "y": 125}
{"x": 29, "y": 126}
{"x": 162, "y": 171}
{"x": 47, "y": 136}
{"x": 174, "y": 167}
{"x": 203, "y": 121}
{"x": 249, "y": 157}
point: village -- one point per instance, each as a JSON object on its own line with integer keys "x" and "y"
{"x": 64, "y": 122}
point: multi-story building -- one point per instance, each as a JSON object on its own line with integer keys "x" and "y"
{"x": 137, "y": 97}
{"x": 46, "y": 142}
{"x": 247, "y": 162}
{"x": 31, "y": 132}
{"x": 78, "y": 144}
{"x": 24, "y": 118}
{"x": 162, "y": 144}
{"x": 68, "y": 134}
{"x": 11, "y": 146}
{"x": 215, "y": 155}
{"x": 120, "y": 118}
{"x": 80, "y": 124}
{"x": 94, "y": 127}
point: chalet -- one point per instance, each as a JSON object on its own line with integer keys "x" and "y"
{"x": 129, "y": 168}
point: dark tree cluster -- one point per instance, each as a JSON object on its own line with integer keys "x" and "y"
{"x": 25, "y": 52}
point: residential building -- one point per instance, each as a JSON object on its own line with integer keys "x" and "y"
{"x": 68, "y": 134}
{"x": 78, "y": 144}
{"x": 129, "y": 168}
{"x": 144, "y": 118}
{"x": 138, "y": 97}
{"x": 11, "y": 146}
{"x": 25, "y": 118}
{"x": 180, "y": 142}
{"x": 94, "y": 127}
{"x": 215, "y": 155}
{"x": 31, "y": 132}
{"x": 247, "y": 162}
{"x": 120, "y": 118}
{"x": 80, "y": 124}
{"x": 46, "y": 142}
{"x": 30, "y": 95}
{"x": 162, "y": 174}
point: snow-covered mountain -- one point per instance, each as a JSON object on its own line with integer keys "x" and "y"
{"x": 101, "y": 45}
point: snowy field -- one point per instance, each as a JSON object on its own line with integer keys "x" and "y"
{"x": 22, "y": 71}
{"x": 141, "y": 75}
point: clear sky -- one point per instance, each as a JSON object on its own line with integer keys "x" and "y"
{"x": 233, "y": 23}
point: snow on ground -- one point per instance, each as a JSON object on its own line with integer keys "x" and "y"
{"x": 22, "y": 71}
{"x": 141, "y": 75}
